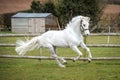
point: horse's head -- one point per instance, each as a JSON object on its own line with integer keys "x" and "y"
{"x": 84, "y": 25}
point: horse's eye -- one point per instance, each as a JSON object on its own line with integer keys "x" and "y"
{"x": 84, "y": 25}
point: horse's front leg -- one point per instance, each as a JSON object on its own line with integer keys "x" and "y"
{"x": 75, "y": 48}
{"x": 89, "y": 54}
{"x": 88, "y": 51}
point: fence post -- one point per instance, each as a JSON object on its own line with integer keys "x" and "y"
{"x": 40, "y": 53}
{"x": 85, "y": 41}
{"x": 108, "y": 39}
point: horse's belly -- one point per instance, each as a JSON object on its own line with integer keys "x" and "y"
{"x": 59, "y": 41}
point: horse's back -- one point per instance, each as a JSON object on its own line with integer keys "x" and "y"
{"x": 55, "y": 38}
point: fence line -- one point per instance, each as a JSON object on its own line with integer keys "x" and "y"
{"x": 18, "y": 35}
{"x": 89, "y": 45}
{"x": 31, "y": 35}
{"x": 7, "y": 45}
{"x": 67, "y": 58}
{"x": 105, "y": 34}
{"x": 51, "y": 58}
{"x": 103, "y": 45}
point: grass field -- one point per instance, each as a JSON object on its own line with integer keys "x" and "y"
{"x": 21, "y": 69}
{"x": 31, "y": 69}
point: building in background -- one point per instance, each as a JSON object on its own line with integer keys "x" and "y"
{"x": 33, "y": 22}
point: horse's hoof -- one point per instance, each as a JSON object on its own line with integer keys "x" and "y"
{"x": 89, "y": 61}
{"x": 62, "y": 66}
{"x": 64, "y": 62}
{"x": 84, "y": 60}
{"x": 73, "y": 60}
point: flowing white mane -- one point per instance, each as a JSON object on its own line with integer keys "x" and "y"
{"x": 76, "y": 18}
{"x": 73, "y": 20}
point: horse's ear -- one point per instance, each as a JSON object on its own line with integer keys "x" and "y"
{"x": 87, "y": 18}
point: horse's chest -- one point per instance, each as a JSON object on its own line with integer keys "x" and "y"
{"x": 74, "y": 39}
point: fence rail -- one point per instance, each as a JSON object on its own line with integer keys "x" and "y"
{"x": 51, "y": 58}
{"x": 67, "y": 58}
{"x": 105, "y": 34}
{"x": 89, "y": 45}
{"x": 31, "y": 35}
{"x": 18, "y": 35}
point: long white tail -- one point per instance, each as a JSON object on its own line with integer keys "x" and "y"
{"x": 23, "y": 46}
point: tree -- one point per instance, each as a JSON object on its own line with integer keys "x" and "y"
{"x": 49, "y": 7}
{"x": 37, "y": 7}
{"x": 66, "y": 9}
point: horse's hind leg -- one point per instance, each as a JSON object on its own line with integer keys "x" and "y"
{"x": 51, "y": 48}
{"x": 64, "y": 61}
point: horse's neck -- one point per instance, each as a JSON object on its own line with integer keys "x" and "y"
{"x": 76, "y": 29}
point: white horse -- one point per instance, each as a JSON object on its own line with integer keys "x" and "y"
{"x": 70, "y": 37}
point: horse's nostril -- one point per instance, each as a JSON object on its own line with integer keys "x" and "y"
{"x": 87, "y": 34}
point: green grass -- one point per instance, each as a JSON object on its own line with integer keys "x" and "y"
{"x": 26, "y": 69}
{"x": 96, "y": 52}
{"x": 11, "y": 39}
{"x": 6, "y": 32}
{"x": 103, "y": 39}
{"x": 31, "y": 69}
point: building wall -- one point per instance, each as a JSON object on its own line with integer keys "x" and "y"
{"x": 51, "y": 23}
{"x": 28, "y": 25}
{"x": 33, "y": 25}
{"x": 19, "y": 25}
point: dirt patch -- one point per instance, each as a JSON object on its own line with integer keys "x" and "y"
{"x": 112, "y": 9}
